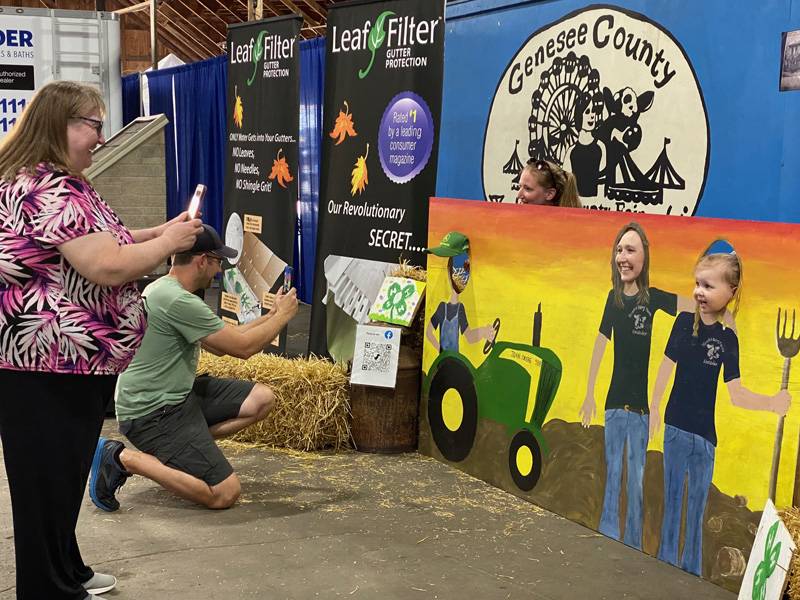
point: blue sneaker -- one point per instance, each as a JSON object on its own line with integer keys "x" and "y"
{"x": 106, "y": 476}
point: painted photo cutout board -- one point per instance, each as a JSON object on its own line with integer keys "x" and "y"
{"x": 567, "y": 364}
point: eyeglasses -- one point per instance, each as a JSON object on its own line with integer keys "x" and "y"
{"x": 543, "y": 165}
{"x": 95, "y": 124}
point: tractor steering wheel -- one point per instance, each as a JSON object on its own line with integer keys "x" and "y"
{"x": 487, "y": 347}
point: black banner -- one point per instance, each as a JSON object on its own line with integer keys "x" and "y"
{"x": 383, "y": 92}
{"x": 261, "y": 163}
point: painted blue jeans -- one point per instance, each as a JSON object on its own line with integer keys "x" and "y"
{"x": 624, "y": 429}
{"x": 685, "y": 455}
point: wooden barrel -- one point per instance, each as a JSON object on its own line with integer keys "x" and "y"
{"x": 385, "y": 419}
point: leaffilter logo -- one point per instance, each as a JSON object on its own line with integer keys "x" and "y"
{"x": 257, "y": 54}
{"x": 376, "y": 38}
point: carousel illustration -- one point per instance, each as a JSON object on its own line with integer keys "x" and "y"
{"x": 594, "y": 133}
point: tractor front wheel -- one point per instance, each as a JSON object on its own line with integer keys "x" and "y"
{"x": 453, "y": 409}
{"x": 525, "y": 460}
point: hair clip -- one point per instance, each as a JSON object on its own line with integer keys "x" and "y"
{"x": 720, "y": 247}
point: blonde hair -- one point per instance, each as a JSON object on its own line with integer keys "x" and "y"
{"x": 563, "y": 182}
{"x": 732, "y": 273}
{"x": 40, "y": 134}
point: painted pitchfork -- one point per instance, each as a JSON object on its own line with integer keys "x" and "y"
{"x": 788, "y": 346}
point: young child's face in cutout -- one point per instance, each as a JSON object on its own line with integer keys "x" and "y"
{"x": 711, "y": 292}
{"x": 630, "y": 256}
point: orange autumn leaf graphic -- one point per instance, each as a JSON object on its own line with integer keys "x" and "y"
{"x": 359, "y": 178}
{"x": 280, "y": 169}
{"x": 238, "y": 110}
{"x": 343, "y": 126}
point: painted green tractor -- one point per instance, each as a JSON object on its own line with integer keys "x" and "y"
{"x": 515, "y": 386}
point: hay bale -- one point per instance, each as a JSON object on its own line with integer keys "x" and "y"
{"x": 312, "y": 402}
{"x": 406, "y": 269}
{"x": 791, "y": 517}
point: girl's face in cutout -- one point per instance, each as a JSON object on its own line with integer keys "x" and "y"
{"x": 630, "y": 256}
{"x": 532, "y": 192}
{"x": 711, "y": 291}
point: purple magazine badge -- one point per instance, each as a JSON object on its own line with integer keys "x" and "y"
{"x": 405, "y": 138}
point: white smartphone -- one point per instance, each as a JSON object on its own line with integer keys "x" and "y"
{"x": 197, "y": 198}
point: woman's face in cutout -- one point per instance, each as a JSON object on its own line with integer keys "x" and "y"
{"x": 532, "y": 192}
{"x": 629, "y": 257}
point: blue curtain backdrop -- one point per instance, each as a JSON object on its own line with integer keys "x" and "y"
{"x": 195, "y": 136}
{"x": 199, "y": 114}
{"x": 312, "y": 91}
{"x": 131, "y": 98}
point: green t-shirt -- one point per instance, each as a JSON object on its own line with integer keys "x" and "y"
{"x": 163, "y": 370}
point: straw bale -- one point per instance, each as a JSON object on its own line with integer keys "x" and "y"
{"x": 791, "y": 517}
{"x": 405, "y": 269}
{"x": 312, "y": 402}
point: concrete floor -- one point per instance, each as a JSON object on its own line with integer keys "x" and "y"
{"x": 354, "y": 525}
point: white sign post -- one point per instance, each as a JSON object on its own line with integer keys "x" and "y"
{"x": 765, "y": 576}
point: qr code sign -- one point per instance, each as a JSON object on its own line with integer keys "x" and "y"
{"x": 377, "y": 357}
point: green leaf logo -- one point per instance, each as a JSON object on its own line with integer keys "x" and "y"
{"x": 375, "y": 40}
{"x": 767, "y": 566}
{"x": 257, "y": 54}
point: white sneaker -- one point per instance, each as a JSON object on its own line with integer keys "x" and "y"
{"x": 100, "y": 583}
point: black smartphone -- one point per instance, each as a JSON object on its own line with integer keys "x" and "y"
{"x": 287, "y": 278}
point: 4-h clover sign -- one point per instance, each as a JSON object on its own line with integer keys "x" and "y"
{"x": 397, "y": 301}
{"x": 765, "y": 576}
{"x": 772, "y": 550}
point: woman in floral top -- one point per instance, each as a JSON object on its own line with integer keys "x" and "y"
{"x": 70, "y": 321}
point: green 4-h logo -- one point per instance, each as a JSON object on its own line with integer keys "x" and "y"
{"x": 377, "y": 36}
{"x": 765, "y": 569}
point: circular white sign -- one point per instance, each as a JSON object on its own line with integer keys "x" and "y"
{"x": 234, "y": 236}
{"x": 611, "y": 96}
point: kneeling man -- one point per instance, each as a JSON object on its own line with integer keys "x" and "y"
{"x": 170, "y": 415}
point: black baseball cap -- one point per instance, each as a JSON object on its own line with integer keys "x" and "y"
{"x": 208, "y": 241}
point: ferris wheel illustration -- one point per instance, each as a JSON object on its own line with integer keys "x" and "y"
{"x": 552, "y": 125}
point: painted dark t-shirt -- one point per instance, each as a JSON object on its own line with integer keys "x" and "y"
{"x": 693, "y": 399}
{"x": 632, "y": 326}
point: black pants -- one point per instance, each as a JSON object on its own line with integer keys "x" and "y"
{"x": 49, "y": 426}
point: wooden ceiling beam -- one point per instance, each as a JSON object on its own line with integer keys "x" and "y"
{"x": 236, "y": 15}
{"x": 135, "y": 8}
{"x": 192, "y": 39}
{"x": 179, "y": 43}
{"x": 214, "y": 13}
{"x": 316, "y": 7}
{"x": 176, "y": 44}
{"x": 199, "y": 16}
{"x": 296, "y": 9}
{"x": 182, "y": 17}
